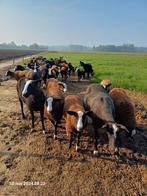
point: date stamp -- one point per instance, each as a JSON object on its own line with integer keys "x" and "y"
{"x": 27, "y": 183}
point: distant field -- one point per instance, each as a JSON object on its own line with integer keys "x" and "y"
{"x": 9, "y": 54}
{"x": 127, "y": 70}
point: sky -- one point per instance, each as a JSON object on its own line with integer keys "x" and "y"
{"x": 63, "y": 22}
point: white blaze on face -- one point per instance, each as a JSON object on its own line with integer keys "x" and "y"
{"x": 133, "y": 132}
{"x": 104, "y": 86}
{"x": 49, "y": 104}
{"x": 115, "y": 129}
{"x": 35, "y": 68}
{"x": 25, "y": 89}
{"x": 49, "y": 72}
{"x": 80, "y": 121}
{"x": 65, "y": 87}
{"x": 59, "y": 69}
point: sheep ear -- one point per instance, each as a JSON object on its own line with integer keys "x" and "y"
{"x": 72, "y": 113}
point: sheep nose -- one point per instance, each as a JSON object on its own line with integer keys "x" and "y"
{"x": 49, "y": 109}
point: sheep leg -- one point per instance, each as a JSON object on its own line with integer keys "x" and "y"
{"x": 21, "y": 104}
{"x": 95, "y": 152}
{"x": 78, "y": 142}
{"x": 55, "y": 133}
{"x": 42, "y": 120}
{"x": 71, "y": 139}
{"x": 32, "y": 115}
{"x": 118, "y": 144}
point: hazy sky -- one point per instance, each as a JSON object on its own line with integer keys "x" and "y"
{"x": 63, "y": 22}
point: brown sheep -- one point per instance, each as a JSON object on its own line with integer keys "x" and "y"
{"x": 17, "y": 74}
{"x": 53, "y": 71}
{"x": 124, "y": 109}
{"x": 76, "y": 118}
{"x": 64, "y": 71}
{"x": 54, "y": 102}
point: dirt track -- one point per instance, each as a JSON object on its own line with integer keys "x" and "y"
{"x": 35, "y": 164}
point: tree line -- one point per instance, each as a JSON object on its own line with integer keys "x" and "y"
{"x": 100, "y": 48}
{"x": 12, "y": 45}
{"x": 75, "y": 47}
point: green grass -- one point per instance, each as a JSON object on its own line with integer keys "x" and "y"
{"x": 127, "y": 70}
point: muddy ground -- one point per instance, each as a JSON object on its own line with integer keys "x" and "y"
{"x": 36, "y": 164}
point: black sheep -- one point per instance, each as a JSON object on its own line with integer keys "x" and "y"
{"x": 30, "y": 93}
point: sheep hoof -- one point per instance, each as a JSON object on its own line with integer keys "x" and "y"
{"x": 43, "y": 131}
{"x": 77, "y": 148}
{"x": 95, "y": 152}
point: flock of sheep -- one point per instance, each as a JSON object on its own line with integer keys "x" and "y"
{"x": 100, "y": 106}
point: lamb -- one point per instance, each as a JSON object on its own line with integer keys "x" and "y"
{"x": 124, "y": 109}
{"x": 31, "y": 94}
{"x": 64, "y": 71}
{"x": 76, "y": 118}
{"x": 101, "y": 104}
{"x": 55, "y": 102}
{"x": 17, "y": 74}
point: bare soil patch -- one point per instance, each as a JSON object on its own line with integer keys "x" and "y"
{"x": 36, "y": 164}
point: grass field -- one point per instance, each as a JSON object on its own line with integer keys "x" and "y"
{"x": 127, "y": 70}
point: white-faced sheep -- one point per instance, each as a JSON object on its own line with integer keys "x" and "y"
{"x": 76, "y": 118}
{"x": 54, "y": 102}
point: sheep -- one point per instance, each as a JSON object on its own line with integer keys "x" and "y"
{"x": 54, "y": 102}
{"x": 101, "y": 104}
{"x": 40, "y": 73}
{"x": 87, "y": 68}
{"x": 19, "y": 68}
{"x": 80, "y": 73}
{"x": 17, "y": 74}
{"x": 64, "y": 71}
{"x": 53, "y": 71}
{"x": 76, "y": 118}
{"x": 124, "y": 109}
{"x": 43, "y": 71}
{"x": 30, "y": 94}
{"x": 106, "y": 84}
{"x": 71, "y": 69}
